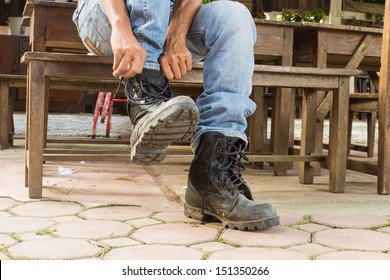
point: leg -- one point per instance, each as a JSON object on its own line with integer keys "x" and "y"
{"x": 228, "y": 66}
{"x": 216, "y": 189}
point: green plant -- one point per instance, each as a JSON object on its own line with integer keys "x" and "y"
{"x": 315, "y": 15}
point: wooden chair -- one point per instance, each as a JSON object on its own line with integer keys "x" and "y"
{"x": 364, "y": 101}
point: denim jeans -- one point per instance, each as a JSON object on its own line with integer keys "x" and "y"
{"x": 222, "y": 33}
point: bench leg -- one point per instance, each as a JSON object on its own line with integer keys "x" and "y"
{"x": 282, "y": 130}
{"x": 338, "y": 137}
{"x": 308, "y": 135}
{"x": 36, "y": 128}
{"x": 5, "y": 114}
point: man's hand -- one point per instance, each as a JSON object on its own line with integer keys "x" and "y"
{"x": 129, "y": 55}
{"x": 176, "y": 60}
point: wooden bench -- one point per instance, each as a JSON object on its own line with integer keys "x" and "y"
{"x": 78, "y": 70}
{"x": 7, "y": 83}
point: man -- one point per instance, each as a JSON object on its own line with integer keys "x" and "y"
{"x": 154, "y": 41}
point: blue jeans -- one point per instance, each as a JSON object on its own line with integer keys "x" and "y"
{"x": 222, "y": 33}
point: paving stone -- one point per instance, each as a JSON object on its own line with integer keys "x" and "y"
{"x": 154, "y": 252}
{"x": 34, "y": 235}
{"x": 6, "y": 203}
{"x": 354, "y": 255}
{"x": 63, "y": 219}
{"x": 120, "y": 242}
{"x": 280, "y": 236}
{"x": 385, "y": 230}
{"x": 175, "y": 233}
{"x": 362, "y": 239}
{"x": 311, "y": 249}
{"x": 47, "y": 209}
{"x": 54, "y": 248}
{"x": 6, "y": 240}
{"x": 310, "y": 227}
{"x": 211, "y": 246}
{"x": 174, "y": 216}
{"x": 143, "y": 222}
{"x": 119, "y": 213}
{"x": 4, "y": 214}
{"x": 3, "y": 256}
{"x": 349, "y": 220}
{"x": 23, "y": 224}
{"x": 92, "y": 229}
{"x": 257, "y": 254}
{"x": 290, "y": 218}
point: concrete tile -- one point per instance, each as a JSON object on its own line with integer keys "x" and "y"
{"x": 174, "y": 216}
{"x": 4, "y": 214}
{"x": 310, "y": 227}
{"x": 280, "y": 236}
{"x": 143, "y": 222}
{"x": 6, "y": 203}
{"x": 47, "y": 209}
{"x": 287, "y": 218}
{"x": 120, "y": 242}
{"x": 350, "y": 220}
{"x": 34, "y": 235}
{"x": 384, "y": 230}
{"x": 63, "y": 219}
{"x": 353, "y": 239}
{"x": 354, "y": 255}
{"x": 3, "y": 256}
{"x": 311, "y": 249}
{"x": 176, "y": 233}
{"x": 54, "y": 248}
{"x": 23, "y": 224}
{"x": 212, "y": 246}
{"x": 257, "y": 254}
{"x": 154, "y": 252}
{"x": 6, "y": 240}
{"x": 92, "y": 229}
{"x": 119, "y": 213}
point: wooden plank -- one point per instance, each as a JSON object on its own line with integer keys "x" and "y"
{"x": 284, "y": 158}
{"x": 4, "y": 114}
{"x": 324, "y": 107}
{"x": 360, "y": 53}
{"x": 362, "y": 166}
{"x": 309, "y": 105}
{"x": 36, "y": 128}
{"x": 338, "y": 137}
{"x": 384, "y": 110}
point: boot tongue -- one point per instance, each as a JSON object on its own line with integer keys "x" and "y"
{"x": 154, "y": 77}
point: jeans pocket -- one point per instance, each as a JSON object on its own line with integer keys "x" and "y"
{"x": 95, "y": 30}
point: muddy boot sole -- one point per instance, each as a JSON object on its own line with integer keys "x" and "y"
{"x": 174, "y": 120}
{"x": 251, "y": 225}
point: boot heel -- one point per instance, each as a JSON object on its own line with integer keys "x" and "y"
{"x": 193, "y": 213}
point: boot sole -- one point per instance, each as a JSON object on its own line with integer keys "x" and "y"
{"x": 207, "y": 216}
{"x": 175, "y": 121}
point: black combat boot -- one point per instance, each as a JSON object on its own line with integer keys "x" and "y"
{"x": 158, "y": 118}
{"x": 216, "y": 188}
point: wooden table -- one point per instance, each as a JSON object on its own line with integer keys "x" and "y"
{"x": 51, "y": 26}
{"x": 341, "y": 46}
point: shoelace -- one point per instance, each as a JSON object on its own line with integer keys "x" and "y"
{"x": 137, "y": 93}
{"x": 230, "y": 173}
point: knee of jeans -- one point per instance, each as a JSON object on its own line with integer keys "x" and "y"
{"x": 234, "y": 17}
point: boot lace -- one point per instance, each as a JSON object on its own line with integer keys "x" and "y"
{"x": 142, "y": 92}
{"x": 230, "y": 171}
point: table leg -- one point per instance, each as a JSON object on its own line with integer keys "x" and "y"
{"x": 338, "y": 137}
{"x": 4, "y": 114}
{"x": 36, "y": 117}
{"x": 309, "y": 107}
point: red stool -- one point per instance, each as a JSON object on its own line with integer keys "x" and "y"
{"x": 103, "y": 109}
